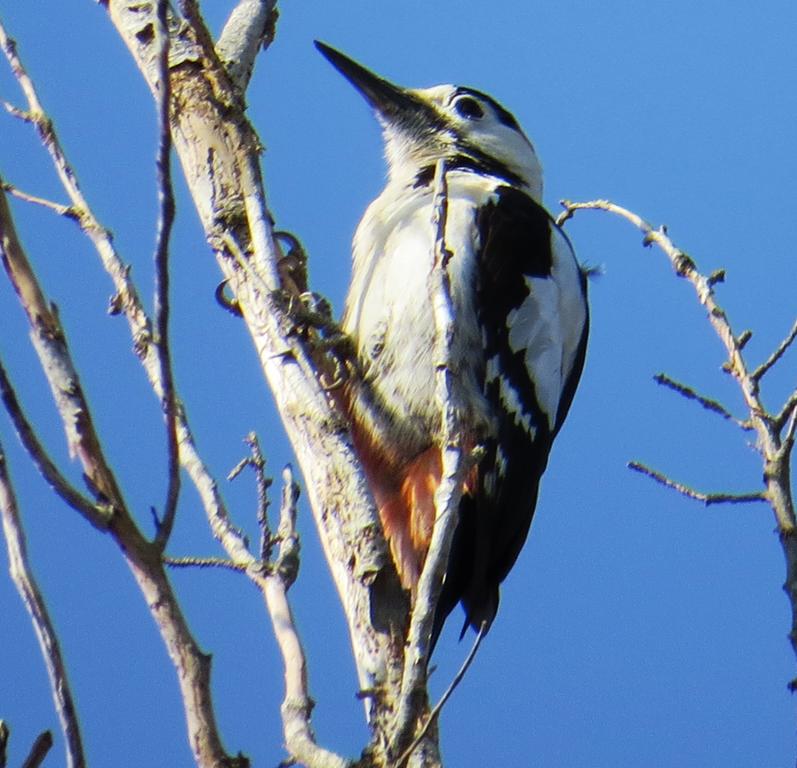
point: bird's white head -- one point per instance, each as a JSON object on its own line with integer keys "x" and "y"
{"x": 464, "y": 126}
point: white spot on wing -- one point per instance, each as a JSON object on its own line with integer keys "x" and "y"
{"x": 548, "y": 326}
{"x": 500, "y": 462}
{"x": 535, "y": 327}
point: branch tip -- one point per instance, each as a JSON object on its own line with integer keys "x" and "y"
{"x": 716, "y": 277}
{"x": 706, "y": 498}
{"x": 743, "y": 338}
{"x": 706, "y": 402}
{"x": 781, "y": 349}
{"x": 38, "y": 751}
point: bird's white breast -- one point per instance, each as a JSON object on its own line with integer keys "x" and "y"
{"x": 389, "y": 312}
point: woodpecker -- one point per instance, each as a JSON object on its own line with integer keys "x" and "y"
{"x": 520, "y": 302}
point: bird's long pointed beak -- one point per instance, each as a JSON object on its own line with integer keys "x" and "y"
{"x": 393, "y": 104}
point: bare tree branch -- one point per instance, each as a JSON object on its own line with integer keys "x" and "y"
{"x": 250, "y": 27}
{"x": 192, "y": 665}
{"x": 42, "y": 461}
{"x": 22, "y": 575}
{"x": 438, "y": 708}
{"x": 759, "y": 372}
{"x": 127, "y": 301}
{"x": 707, "y": 498}
{"x": 9, "y": 47}
{"x": 789, "y": 434}
{"x": 205, "y": 562}
{"x": 39, "y": 750}
{"x": 297, "y": 704}
{"x": 219, "y": 153}
{"x": 165, "y": 222}
{"x": 274, "y": 580}
{"x": 62, "y": 210}
{"x": 787, "y": 412}
{"x": 707, "y": 403}
{"x": 775, "y": 449}
{"x": 51, "y": 347}
{"x": 257, "y": 462}
{"x": 20, "y": 114}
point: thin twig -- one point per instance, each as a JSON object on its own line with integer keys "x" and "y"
{"x": 438, "y": 708}
{"x": 205, "y": 562}
{"x": 766, "y": 427}
{"x": 759, "y": 372}
{"x": 20, "y": 114}
{"x": 9, "y": 47}
{"x": 161, "y": 304}
{"x": 708, "y": 403}
{"x": 297, "y": 705}
{"x": 39, "y": 750}
{"x": 707, "y": 498}
{"x": 258, "y": 464}
{"x": 791, "y": 428}
{"x": 22, "y": 575}
{"x": 62, "y": 210}
{"x": 684, "y": 266}
{"x": 787, "y": 411}
{"x": 126, "y": 299}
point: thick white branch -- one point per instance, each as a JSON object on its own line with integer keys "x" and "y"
{"x": 219, "y": 153}
{"x": 249, "y": 28}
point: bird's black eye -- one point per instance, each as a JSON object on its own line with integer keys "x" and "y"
{"x": 469, "y": 108}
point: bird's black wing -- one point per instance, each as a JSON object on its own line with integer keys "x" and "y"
{"x": 531, "y": 300}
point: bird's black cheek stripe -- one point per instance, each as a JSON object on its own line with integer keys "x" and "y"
{"x": 468, "y": 158}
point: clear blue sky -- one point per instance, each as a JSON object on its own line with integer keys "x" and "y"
{"x": 638, "y": 628}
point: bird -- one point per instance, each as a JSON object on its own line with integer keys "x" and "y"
{"x": 519, "y": 297}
